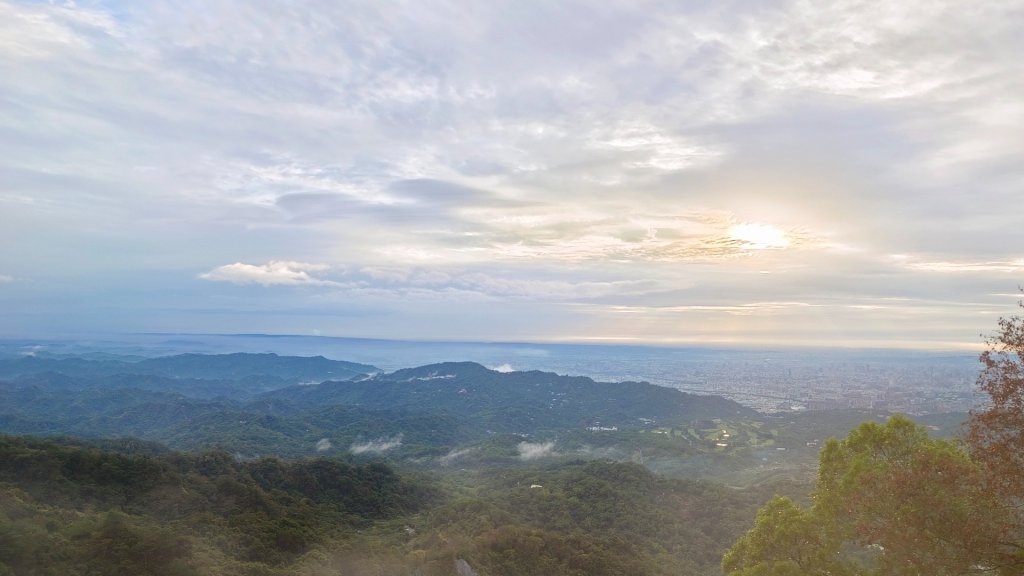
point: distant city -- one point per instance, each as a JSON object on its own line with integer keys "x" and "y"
{"x": 911, "y": 387}
{"x": 777, "y": 380}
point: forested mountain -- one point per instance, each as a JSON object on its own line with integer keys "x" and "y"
{"x": 530, "y": 402}
{"x": 263, "y": 404}
{"x": 238, "y": 366}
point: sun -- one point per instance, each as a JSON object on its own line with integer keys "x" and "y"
{"x": 756, "y": 236}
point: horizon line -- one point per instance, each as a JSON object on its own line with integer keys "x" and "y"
{"x": 630, "y": 342}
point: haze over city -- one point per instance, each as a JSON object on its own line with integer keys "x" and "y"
{"x": 755, "y": 173}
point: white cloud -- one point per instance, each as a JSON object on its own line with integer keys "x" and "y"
{"x": 17, "y": 199}
{"x": 420, "y": 283}
{"x": 323, "y": 445}
{"x": 747, "y": 309}
{"x": 4, "y": 279}
{"x": 276, "y": 272}
{"x": 510, "y": 287}
{"x": 1006, "y": 266}
{"x": 282, "y": 176}
{"x": 532, "y": 451}
{"x": 645, "y": 146}
{"x": 504, "y": 368}
{"x": 379, "y": 445}
{"x": 455, "y": 454}
{"x": 39, "y": 32}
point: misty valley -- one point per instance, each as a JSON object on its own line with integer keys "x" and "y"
{"x": 259, "y": 463}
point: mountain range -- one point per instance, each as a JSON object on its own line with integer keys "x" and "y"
{"x": 258, "y": 404}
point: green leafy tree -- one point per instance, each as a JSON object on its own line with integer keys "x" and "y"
{"x": 888, "y": 500}
{"x": 918, "y": 502}
{"x": 786, "y": 540}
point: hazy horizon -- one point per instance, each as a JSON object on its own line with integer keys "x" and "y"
{"x": 763, "y": 378}
{"x": 167, "y": 343}
{"x": 833, "y": 174}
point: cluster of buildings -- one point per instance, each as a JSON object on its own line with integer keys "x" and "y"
{"x": 911, "y": 387}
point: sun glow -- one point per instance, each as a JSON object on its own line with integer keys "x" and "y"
{"x": 755, "y": 236}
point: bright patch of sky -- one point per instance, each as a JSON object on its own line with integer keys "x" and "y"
{"x": 765, "y": 173}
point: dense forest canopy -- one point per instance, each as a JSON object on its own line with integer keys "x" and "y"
{"x": 70, "y": 507}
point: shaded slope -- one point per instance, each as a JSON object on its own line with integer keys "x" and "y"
{"x": 515, "y": 401}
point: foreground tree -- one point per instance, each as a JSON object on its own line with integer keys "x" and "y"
{"x": 888, "y": 500}
{"x": 787, "y": 540}
{"x": 995, "y": 433}
{"x": 919, "y": 503}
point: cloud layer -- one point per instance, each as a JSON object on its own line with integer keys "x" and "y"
{"x": 535, "y": 450}
{"x": 783, "y": 172}
{"x": 377, "y": 446}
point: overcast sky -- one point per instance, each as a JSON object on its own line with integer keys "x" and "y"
{"x": 724, "y": 171}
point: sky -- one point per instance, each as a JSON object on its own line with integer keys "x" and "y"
{"x": 762, "y": 173}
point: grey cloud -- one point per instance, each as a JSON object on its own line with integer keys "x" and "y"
{"x": 322, "y": 205}
{"x": 414, "y": 277}
{"x": 425, "y": 191}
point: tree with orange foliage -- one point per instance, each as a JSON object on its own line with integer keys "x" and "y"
{"x": 995, "y": 433}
